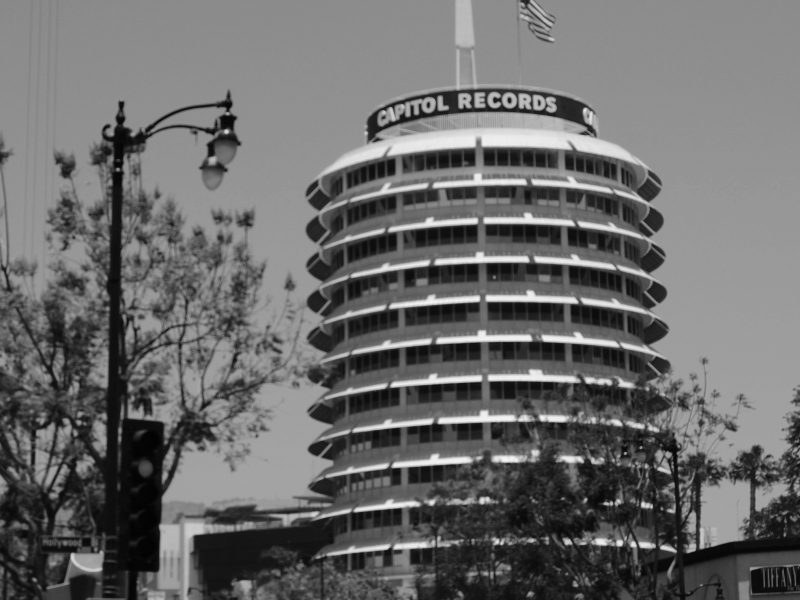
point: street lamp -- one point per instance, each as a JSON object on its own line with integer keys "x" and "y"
{"x": 718, "y": 596}
{"x": 221, "y": 151}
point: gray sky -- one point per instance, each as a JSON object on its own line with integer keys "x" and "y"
{"x": 705, "y": 93}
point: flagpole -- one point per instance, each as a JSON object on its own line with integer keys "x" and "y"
{"x": 519, "y": 42}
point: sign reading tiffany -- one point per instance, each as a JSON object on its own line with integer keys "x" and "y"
{"x": 780, "y": 579}
{"x": 481, "y": 100}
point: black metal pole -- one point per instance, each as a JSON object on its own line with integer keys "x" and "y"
{"x": 111, "y": 571}
{"x": 673, "y": 449}
{"x": 322, "y": 578}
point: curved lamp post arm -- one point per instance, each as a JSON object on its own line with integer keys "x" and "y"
{"x": 226, "y": 104}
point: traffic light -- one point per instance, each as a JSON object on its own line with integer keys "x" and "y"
{"x": 140, "y": 494}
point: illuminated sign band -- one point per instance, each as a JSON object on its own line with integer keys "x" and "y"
{"x": 501, "y": 100}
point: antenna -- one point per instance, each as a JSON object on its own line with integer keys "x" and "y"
{"x": 465, "y": 45}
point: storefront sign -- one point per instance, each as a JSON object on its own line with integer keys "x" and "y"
{"x": 509, "y": 100}
{"x": 781, "y": 579}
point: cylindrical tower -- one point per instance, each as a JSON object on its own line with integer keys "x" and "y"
{"x": 483, "y": 246}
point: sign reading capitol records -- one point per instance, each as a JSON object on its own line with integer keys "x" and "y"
{"x": 480, "y": 100}
{"x": 781, "y": 579}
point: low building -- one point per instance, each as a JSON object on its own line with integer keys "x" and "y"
{"x": 744, "y": 570}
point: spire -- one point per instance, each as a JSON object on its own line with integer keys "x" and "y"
{"x": 465, "y": 45}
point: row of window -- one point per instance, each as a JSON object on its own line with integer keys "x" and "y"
{"x": 493, "y": 195}
{"x": 498, "y": 351}
{"x": 495, "y": 234}
{"x": 389, "y": 438}
{"x": 497, "y": 311}
{"x": 492, "y": 157}
{"x": 515, "y": 272}
{"x": 454, "y": 392}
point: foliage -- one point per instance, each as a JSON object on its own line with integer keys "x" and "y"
{"x": 198, "y": 344}
{"x": 780, "y": 518}
{"x": 583, "y": 515}
{"x": 758, "y": 470}
{"x": 287, "y": 578}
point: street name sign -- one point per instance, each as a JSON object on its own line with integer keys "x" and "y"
{"x": 69, "y": 543}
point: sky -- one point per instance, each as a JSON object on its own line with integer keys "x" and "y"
{"x": 705, "y": 93}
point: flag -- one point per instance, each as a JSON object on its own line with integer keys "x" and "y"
{"x": 540, "y": 22}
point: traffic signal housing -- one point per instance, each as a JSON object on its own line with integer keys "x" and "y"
{"x": 142, "y": 458}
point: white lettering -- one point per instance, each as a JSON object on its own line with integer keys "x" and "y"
{"x": 464, "y": 101}
{"x": 524, "y": 102}
{"x": 510, "y": 100}
{"x": 493, "y": 100}
{"x": 551, "y": 104}
{"x": 589, "y": 117}
{"x": 383, "y": 118}
{"x": 440, "y": 105}
{"x": 538, "y": 103}
{"x": 479, "y": 98}
{"x": 428, "y": 104}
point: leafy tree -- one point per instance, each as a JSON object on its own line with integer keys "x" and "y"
{"x": 759, "y": 470}
{"x": 780, "y": 518}
{"x": 198, "y": 344}
{"x": 590, "y": 514}
{"x": 704, "y": 470}
{"x": 288, "y": 578}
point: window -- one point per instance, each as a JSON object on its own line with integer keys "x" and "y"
{"x": 440, "y": 236}
{"x": 450, "y": 392}
{"x": 524, "y": 272}
{"x": 386, "y": 438}
{"x": 376, "y": 518}
{"x": 442, "y": 353}
{"x": 431, "y": 474}
{"x": 632, "y": 252}
{"x": 520, "y": 157}
{"x": 633, "y": 289}
{"x": 373, "y": 322}
{"x": 590, "y": 164}
{"x": 447, "y": 313}
{"x": 368, "y": 286}
{"x": 441, "y": 275}
{"x": 597, "y": 355}
{"x": 599, "y": 279}
{"x": 635, "y": 326}
{"x": 594, "y": 240}
{"x": 376, "y": 360}
{"x": 370, "y": 247}
{"x": 523, "y": 234}
{"x": 374, "y": 400}
{"x": 445, "y": 159}
{"x": 593, "y": 202}
{"x": 524, "y": 311}
{"x": 520, "y": 390}
{"x": 425, "y": 435}
{"x": 525, "y": 351}
{"x": 468, "y": 431}
{"x": 370, "y": 172}
{"x": 600, "y": 317}
{"x": 362, "y": 211}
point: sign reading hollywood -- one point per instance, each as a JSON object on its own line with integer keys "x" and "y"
{"x": 781, "y": 579}
{"x": 503, "y": 100}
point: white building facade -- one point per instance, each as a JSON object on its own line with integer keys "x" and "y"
{"x": 483, "y": 246}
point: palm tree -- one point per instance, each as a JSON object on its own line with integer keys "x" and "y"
{"x": 703, "y": 470}
{"x": 760, "y": 470}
